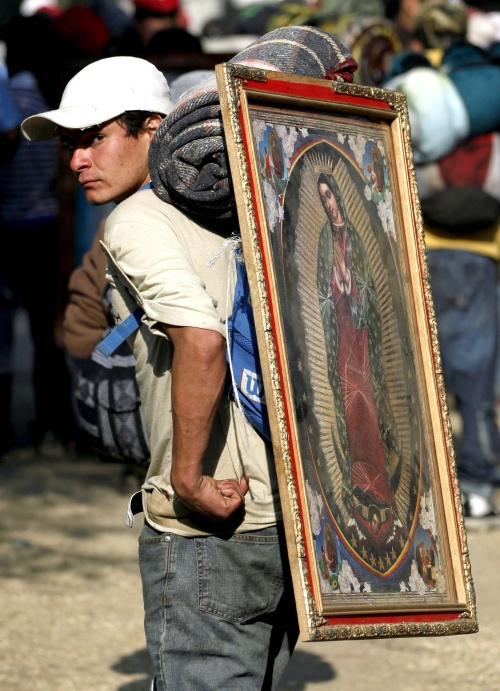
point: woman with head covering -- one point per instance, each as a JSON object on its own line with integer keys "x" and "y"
{"x": 352, "y": 308}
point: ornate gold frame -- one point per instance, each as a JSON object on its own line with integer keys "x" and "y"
{"x": 250, "y": 97}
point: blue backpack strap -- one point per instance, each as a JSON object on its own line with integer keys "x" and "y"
{"x": 243, "y": 355}
{"x": 120, "y": 333}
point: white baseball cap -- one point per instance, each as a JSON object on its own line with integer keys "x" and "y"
{"x": 102, "y": 91}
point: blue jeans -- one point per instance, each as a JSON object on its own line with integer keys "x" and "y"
{"x": 219, "y": 612}
{"x": 464, "y": 294}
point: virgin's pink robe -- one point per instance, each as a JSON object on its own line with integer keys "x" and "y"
{"x": 367, "y": 452}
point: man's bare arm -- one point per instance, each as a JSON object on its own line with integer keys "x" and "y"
{"x": 198, "y": 374}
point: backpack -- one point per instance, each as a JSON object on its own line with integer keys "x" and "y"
{"x": 244, "y": 375}
{"x": 242, "y": 355}
{"x": 108, "y": 406}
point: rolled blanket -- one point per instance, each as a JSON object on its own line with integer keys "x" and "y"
{"x": 187, "y": 158}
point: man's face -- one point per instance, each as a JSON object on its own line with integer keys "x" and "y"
{"x": 109, "y": 165}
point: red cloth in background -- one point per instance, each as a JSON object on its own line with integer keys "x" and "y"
{"x": 468, "y": 163}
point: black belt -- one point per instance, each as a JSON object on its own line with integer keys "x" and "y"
{"x": 134, "y": 506}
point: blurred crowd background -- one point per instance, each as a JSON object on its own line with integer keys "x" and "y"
{"x": 444, "y": 55}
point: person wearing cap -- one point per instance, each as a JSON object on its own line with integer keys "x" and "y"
{"x": 218, "y": 598}
{"x": 109, "y": 110}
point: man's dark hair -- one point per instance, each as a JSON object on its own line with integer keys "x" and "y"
{"x": 133, "y": 121}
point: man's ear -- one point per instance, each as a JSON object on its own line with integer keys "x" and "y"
{"x": 153, "y": 122}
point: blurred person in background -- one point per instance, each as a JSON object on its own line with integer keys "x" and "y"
{"x": 174, "y": 52}
{"x": 404, "y": 15}
{"x": 10, "y": 119}
{"x": 152, "y": 16}
{"x": 30, "y": 225}
{"x": 148, "y": 18}
{"x": 459, "y": 187}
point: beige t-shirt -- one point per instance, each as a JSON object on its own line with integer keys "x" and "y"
{"x": 166, "y": 261}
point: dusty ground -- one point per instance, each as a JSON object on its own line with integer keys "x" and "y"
{"x": 71, "y": 604}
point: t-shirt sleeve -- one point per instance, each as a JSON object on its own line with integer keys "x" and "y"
{"x": 147, "y": 248}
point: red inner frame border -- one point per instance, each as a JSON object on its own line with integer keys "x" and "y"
{"x": 320, "y": 93}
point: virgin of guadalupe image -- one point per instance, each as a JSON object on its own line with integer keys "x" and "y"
{"x": 365, "y": 451}
{"x": 347, "y": 320}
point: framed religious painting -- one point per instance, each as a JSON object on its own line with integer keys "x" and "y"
{"x": 335, "y": 254}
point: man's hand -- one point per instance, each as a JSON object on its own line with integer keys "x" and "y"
{"x": 215, "y": 499}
